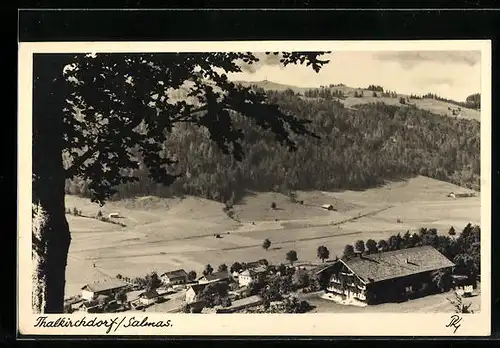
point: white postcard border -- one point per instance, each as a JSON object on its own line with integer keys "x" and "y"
{"x": 362, "y": 324}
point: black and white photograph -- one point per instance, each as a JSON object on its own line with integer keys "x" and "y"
{"x": 307, "y": 179}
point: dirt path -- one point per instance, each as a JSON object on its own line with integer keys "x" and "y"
{"x": 226, "y": 249}
{"x": 201, "y": 236}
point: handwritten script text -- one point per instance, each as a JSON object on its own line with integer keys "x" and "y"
{"x": 110, "y": 324}
{"x": 454, "y": 322}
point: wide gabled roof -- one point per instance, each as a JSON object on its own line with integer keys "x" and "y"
{"x": 109, "y": 284}
{"x": 217, "y": 276}
{"x": 256, "y": 270}
{"x": 253, "y": 264}
{"x": 175, "y": 274}
{"x": 392, "y": 264}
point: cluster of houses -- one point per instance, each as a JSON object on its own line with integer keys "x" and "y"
{"x": 96, "y": 297}
{"x": 365, "y": 279}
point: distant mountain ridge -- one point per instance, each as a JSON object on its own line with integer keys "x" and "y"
{"x": 363, "y": 95}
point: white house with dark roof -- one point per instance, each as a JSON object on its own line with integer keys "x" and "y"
{"x": 252, "y": 275}
{"x": 148, "y": 297}
{"x": 176, "y": 277}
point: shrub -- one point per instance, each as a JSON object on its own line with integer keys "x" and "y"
{"x": 291, "y": 256}
{"x": 371, "y": 246}
{"x": 359, "y": 246}
{"x": 235, "y": 267}
{"x": 323, "y": 253}
{"x": 348, "y": 251}
{"x": 273, "y": 205}
{"x": 452, "y": 232}
{"x": 208, "y": 270}
{"x": 301, "y": 279}
{"x": 266, "y": 244}
{"x": 222, "y": 268}
{"x": 192, "y": 275}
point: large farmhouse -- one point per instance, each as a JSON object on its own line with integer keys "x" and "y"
{"x": 108, "y": 288}
{"x": 253, "y": 275}
{"x": 386, "y": 276}
{"x": 178, "y": 276}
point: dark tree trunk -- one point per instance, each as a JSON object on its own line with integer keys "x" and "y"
{"x": 50, "y": 231}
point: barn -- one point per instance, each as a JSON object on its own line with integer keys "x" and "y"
{"x": 391, "y": 276}
{"x": 108, "y": 288}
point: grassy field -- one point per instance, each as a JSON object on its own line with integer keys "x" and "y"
{"x": 167, "y": 234}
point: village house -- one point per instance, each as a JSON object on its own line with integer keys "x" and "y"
{"x": 108, "y": 288}
{"x": 148, "y": 297}
{"x": 95, "y": 305}
{"x": 386, "y": 276}
{"x": 92, "y": 306}
{"x": 252, "y": 275}
{"x": 215, "y": 278}
{"x": 176, "y": 277}
{"x": 193, "y": 292}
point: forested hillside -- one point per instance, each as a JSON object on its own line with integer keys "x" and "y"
{"x": 357, "y": 149}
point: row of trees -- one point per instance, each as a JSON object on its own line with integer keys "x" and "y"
{"x": 358, "y": 149}
{"x": 375, "y": 88}
{"x": 463, "y": 250}
{"x": 325, "y": 93}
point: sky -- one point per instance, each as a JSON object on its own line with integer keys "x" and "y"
{"x": 450, "y": 74}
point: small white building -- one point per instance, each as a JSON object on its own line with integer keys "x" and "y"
{"x": 113, "y": 215}
{"x": 92, "y": 306}
{"x": 176, "y": 277}
{"x": 148, "y": 297}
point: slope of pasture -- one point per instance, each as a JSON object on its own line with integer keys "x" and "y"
{"x": 257, "y": 207}
{"x": 179, "y": 233}
{"x": 419, "y": 188}
{"x": 435, "y": 106}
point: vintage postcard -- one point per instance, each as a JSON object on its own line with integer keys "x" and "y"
{"x": 333, "y": 188}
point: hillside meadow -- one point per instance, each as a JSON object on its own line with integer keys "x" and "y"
{"x": 162, "y": 234}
